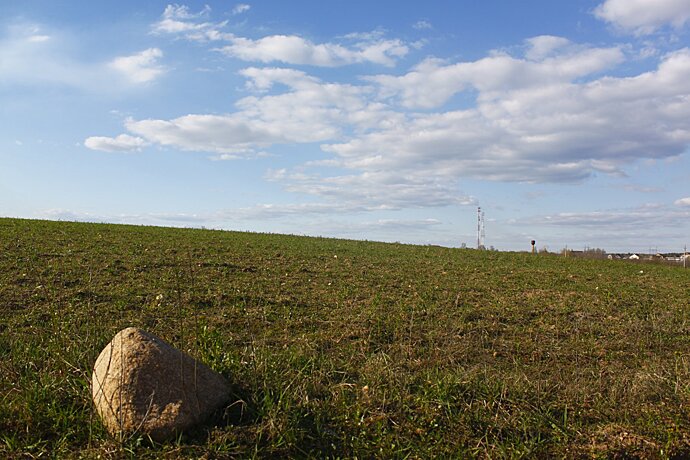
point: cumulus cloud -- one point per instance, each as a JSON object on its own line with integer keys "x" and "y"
{"x": 208, "y": 133}
{"x": 121, "y": 143}
{"x": 293, "y": 49}
{"x": 262, "y": 79}
{"x": 551, "y": 117}
{"x": 683, "y": 202}
{"x": 311, "y": 107}
{"x": 142, "y": 67}
{"x": 543, "y": 46}
{"x": 309, "y": 111}
{"x": 532, "y": 121}
{"x": 643, "y": 17}
{"x": 432, "y": 82}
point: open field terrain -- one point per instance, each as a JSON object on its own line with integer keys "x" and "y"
{"x": 347, "y": 349}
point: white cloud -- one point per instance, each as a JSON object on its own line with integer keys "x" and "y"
{"x": 182, "y": 12}
{"x": 682, "y": 202}
{"x": 310, "y": 111}
{"x": 532, "y": 122}
{"x": 142, "y": 67}
{"x": 543, "y": 46}
{"x": 432, "y": 82}
{"x": 178, "y": 19}
{"x": 553, "y": 119}
{"x": 121, "y": 143}
{"x": 293, "y": 49}
{"x": 422, "y": 25}
{"x": 262, "y": 79}
{"x": 171, "y": 26}
{"x": 240, "y": 8}
{"x": 643, "y": 17}
{"x": 228, "y": 134}
{"x": 290, "y": 49}
{"x": 312, "y": 107}
{"x": 371, "y": 36}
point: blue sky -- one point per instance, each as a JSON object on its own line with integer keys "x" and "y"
{"x": 567, "y": 122}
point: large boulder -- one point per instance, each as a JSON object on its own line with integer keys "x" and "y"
{"x": 140, "y": 384}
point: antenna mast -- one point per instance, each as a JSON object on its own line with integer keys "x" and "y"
{"x": 481, "y": 233}
{"x": 479, "y": 227}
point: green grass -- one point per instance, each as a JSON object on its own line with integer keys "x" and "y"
{"x": 347, "y": 349}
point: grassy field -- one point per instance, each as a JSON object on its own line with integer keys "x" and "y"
{"x": 347, "y": 349}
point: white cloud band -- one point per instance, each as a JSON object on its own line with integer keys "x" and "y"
{"x": 121, "y": 143}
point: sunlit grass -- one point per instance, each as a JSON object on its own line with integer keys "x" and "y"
{"x": 347, "y": 349}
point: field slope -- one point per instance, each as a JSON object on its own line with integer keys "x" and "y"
{"x": 347, "y": 349}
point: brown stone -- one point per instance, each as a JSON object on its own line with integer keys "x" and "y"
{"x": 140, "y": 384}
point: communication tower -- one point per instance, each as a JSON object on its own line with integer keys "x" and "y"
{"x": 481, "y": 232}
